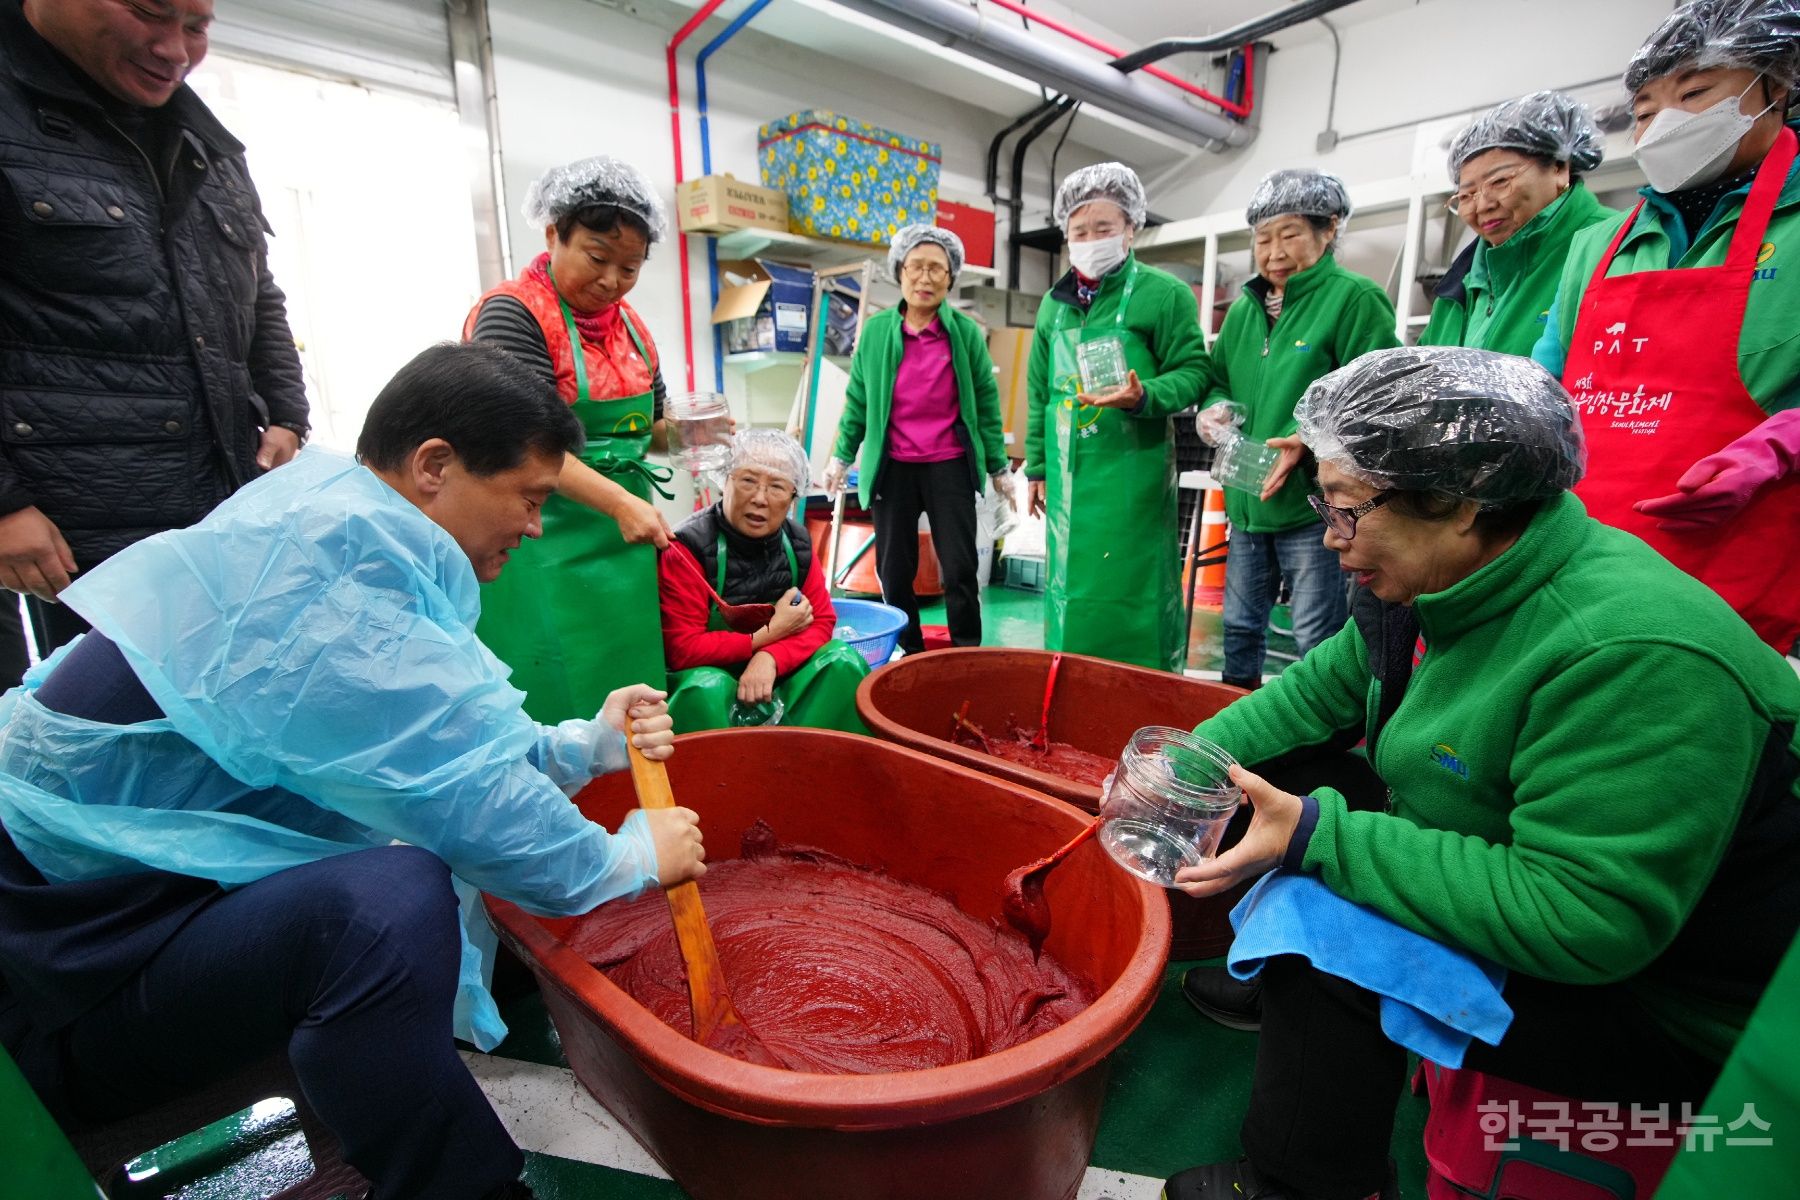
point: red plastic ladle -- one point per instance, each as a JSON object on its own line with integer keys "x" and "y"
{"x": 1040, "y": 741}
{"x": 1022, "y": 900}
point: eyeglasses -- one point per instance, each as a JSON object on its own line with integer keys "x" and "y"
{"x": 930, "y": 272}
{"x": 776, "y": 490}
{"x": 1342, "y": 521}
{"x": 1498, "y": 186}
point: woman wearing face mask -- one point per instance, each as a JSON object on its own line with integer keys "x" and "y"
{"x": 1517, "y": 171}
{"x": 1301, "y": 316}
{"x": 1674, "y": 328}
{"x": 922, "y": 389}
{"x": 1102, "y": 466}
{"x": 575, "y": 615}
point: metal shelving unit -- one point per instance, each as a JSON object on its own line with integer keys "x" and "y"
{"x": 819, "y": 252}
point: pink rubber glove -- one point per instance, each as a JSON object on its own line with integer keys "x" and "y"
{"x": 1716, "y": 488}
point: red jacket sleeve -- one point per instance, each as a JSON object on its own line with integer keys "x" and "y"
{"x": 791, "y": 652}
{"x": 686, "y": 607}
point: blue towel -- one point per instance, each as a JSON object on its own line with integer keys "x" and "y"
{"x": 1433, "y": 999}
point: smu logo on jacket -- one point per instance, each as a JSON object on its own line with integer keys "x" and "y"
{"x": 1445, "y": 756}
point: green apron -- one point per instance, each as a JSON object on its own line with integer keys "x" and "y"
{"x": 1114, "y": 586}
{"x": 820, "y": 695}
{"x": 576, "y": 612}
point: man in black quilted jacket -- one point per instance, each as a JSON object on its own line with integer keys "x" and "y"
{"x": 146, "y": 366}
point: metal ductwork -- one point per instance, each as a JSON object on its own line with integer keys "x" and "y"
{"x": 1005, "y": 44}
{"x": 1250, "y": 31}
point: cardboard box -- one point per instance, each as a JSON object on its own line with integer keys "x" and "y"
{"x": 1022, "y": 309}
{"x": 1011, "y": 351}
{"x": 974, "y": 224}
{"x": 998, "y": 308}
{"x": 849, "y": 179}
{"x": 986, "y": 304}
{"x": 721, "y": 203}
{"x": 768, "y": 311}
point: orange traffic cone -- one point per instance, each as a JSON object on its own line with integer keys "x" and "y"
{"x": 1210, "y": 591}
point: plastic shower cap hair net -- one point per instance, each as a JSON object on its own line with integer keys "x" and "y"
{"x": 1544, "y": 124}
{"x": 1491, "y": 428}
{"x": 914, "y": 236}
{"x": 1102, "y": 181}
{"x": 771, "y": 450}
{"x": 1302, "y": 193}
{"x": 598, "y": 180}
{"x": 1760, "y": 35}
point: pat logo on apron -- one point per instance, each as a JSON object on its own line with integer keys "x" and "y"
{"x": 1637, "y": 411}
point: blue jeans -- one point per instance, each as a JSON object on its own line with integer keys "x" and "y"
{"x": 350, "y": 963}
{"x": 1317, "y": 595}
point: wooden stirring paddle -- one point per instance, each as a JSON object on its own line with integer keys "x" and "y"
{"x": 717, "y": 1025}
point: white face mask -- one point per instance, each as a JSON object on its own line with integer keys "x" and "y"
{"x": 1094, "y": 259}
{"x": 1683, "y": 149}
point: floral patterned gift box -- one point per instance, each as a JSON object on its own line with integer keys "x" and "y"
{"x": 849, "y": 179}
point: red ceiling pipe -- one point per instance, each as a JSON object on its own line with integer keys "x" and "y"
{"x": 687, "y": 299}
{"x": 1094, "y": 43}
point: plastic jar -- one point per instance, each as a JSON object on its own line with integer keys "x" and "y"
{"x": 699, "y": 426}
{"x": 1101, "y": 362}
{"x": 1167, "y": 803}
{"x": 1244, "y": 463}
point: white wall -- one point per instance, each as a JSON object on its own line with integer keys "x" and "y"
{"x": 575, "y": 77}
{"x": 1436, "y": 60}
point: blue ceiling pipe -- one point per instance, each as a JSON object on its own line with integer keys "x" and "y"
{"x": 712, "y": 244}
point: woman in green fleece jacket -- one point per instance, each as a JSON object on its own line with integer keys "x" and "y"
{"x": 1299, "y": 317}
{"x": 1592, "y": 764}
{"x": 924, "y": 408}
{"x": 1517, "y": 171}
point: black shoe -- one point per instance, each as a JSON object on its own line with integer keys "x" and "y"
{"x": 1240, "y": 1181}
{"x": 1222, "y": 1181}
{"x": 1219, "y": 994}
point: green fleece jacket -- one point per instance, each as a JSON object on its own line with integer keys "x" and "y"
{"x": 869, "y": 401}
{"x": 1328, "y": 317}
{"x": 1566, "y": 767}
{"x": 1768, "y": 345}
{"x": 1163, "y": 313}
{"x": 1498, "y": 297}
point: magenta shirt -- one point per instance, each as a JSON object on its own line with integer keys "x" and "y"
{"x": 922, "y": 426}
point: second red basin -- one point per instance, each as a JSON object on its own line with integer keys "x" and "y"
{"x": 1098, "y": 705}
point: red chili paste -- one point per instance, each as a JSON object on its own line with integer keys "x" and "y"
{"x": 839, "y": 969}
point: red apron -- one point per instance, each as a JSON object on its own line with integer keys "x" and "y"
{"x": 1653, "y": 368}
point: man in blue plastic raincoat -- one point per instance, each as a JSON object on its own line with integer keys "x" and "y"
{"x": 242, "y": 814}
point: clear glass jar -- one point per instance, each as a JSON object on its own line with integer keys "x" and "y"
{"x": 1167, "y": 803}
{"x": 1101, "y": 362}
{"x": 699, "y": 425}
